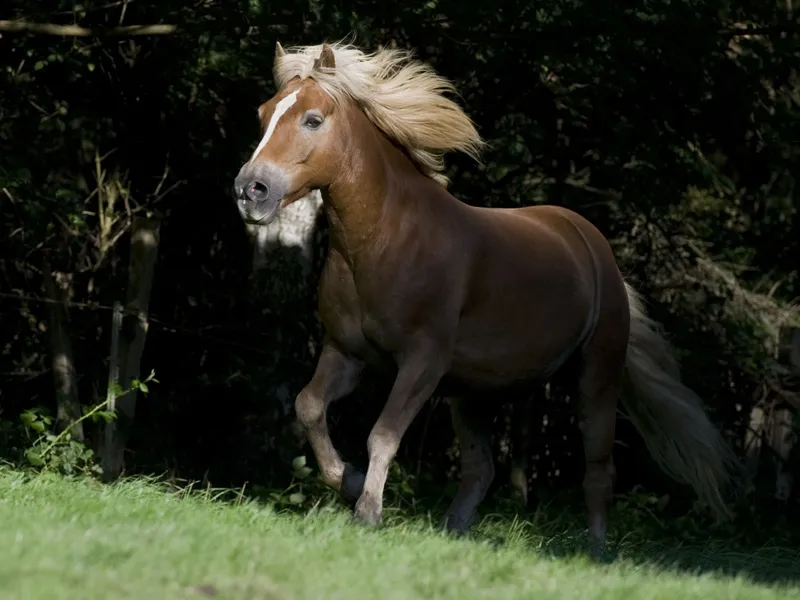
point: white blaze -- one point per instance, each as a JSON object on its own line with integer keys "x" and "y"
{"x": 280, "y": 110}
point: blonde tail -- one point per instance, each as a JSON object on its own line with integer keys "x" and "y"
{"x": 670, "y": 417}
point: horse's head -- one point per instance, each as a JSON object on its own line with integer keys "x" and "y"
{"x": 316, "y": 125}
{"x": 300, "y": 147}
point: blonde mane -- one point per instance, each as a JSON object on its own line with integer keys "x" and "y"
{"x": 402, "y": 97}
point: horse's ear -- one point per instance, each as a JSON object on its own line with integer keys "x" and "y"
{"x": 326, "y": 59}
{"x": 279, "y": 54}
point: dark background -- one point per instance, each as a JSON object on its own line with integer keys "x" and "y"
{"x": 674, "y": 133}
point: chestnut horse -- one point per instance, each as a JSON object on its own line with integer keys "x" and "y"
{"x": 471, "y": 301}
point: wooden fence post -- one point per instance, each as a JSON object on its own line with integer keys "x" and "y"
{"x": 130, "y": 344}
{"x": 784, "y": 436}
{"x": 772, "y": 419}
{"x": 68, "y": 408}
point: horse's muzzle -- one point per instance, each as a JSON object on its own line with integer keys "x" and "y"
{"x": 258, "y": 190}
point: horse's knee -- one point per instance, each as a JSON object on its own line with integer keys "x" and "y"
{"x": 309, "y": 408}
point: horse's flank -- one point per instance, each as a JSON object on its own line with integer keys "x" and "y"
{"x": 404, "y": 98}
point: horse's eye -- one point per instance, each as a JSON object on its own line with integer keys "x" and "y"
{"x": 313, "y": 120}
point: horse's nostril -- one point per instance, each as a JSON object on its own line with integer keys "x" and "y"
{"x": 258, "y": 188}
{"x": 257, "y": 191}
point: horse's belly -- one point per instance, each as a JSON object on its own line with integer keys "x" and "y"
{"x": 520, "y": 340}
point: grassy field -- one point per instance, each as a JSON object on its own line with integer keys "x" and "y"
{"x": 76, "y": 539}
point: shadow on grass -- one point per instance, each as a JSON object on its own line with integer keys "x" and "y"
{"x": 687, "y": 545}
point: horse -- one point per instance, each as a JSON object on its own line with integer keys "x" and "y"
{"x": 471, "y": 300}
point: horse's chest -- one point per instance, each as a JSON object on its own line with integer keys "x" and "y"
{"x": 349, "y": 318}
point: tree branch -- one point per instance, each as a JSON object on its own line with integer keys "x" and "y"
{"x": 78, "y": 31}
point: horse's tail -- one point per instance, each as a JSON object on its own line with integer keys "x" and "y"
{"x": 670, "y": 416}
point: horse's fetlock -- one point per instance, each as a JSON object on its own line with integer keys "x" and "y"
{"x": 332, "y": 478}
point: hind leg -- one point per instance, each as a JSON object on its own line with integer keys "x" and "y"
{"x": 522, "y": 414}
{"x": 472, "y": 422}
{"x": 599, "y": 387}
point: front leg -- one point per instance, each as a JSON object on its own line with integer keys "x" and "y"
{"x": 336, "y": 375}
{"x": 417, "y": 377}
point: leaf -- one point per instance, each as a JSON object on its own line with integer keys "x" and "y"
{"x": 143, "y": 387}
{"x": 298, "y": 463}
{"x": 37, "y": 426}
{"x": 303, "y": 472}
{"x": 297, "y": 498}
{"x": 105, "y": 415}
{"x": 34, "y": 457}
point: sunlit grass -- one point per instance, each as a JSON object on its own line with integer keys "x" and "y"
{"x": 75, "y": 538}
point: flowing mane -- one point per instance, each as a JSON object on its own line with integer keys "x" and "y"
{"x": 401, "y": 96}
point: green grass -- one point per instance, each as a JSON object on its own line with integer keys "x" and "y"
{"x": 78, "y": 539}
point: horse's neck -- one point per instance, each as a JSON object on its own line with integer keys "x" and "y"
{"x": 366, "y": 202}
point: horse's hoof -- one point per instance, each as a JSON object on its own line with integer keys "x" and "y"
{"x": 457, "y": 526}
{"x": 598, "y": 551}
{"x": 365, "y": 514}
{"x": 352, "y": 484}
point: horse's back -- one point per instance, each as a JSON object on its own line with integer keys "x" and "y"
{"x": 559, "y": 217}
{"x": 568, "y": 222}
